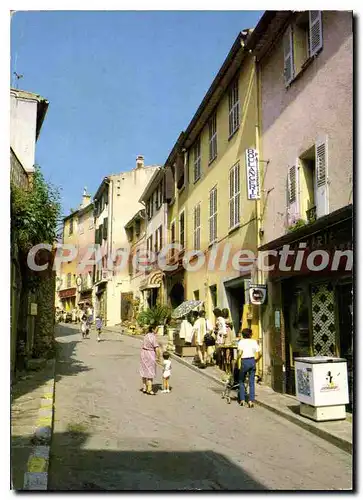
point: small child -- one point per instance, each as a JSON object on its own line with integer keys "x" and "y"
{"x": 99, "y": 327}
{"x": 166, "y": 372}
{"x": 84, "y": 326}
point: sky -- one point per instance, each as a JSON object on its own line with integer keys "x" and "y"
{"x": 119, "y": 84}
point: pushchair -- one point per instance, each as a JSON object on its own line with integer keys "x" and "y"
{"x": 231, "y": 384}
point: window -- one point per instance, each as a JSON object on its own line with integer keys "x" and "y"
{"x": 213, "y": 138}
{"x": 150, "y": 207}
{"x": 196, "y": 294}
{"x": 70, "y": 226}
{"x": 213, "y": 295}
{"x": 149, "y": 244}
{"x": 155, "y": 198}
{"x": 234, "y": 197}
{"x": 233, "y": 98}
{"x": 196, "y": 159}
{"x": 172, "y": 237}
{"x": 314, "y": 185}
{"x": 137, "y": 227}
{"x": 182, "y": 228}
{"x": 105, "y": 228}
{"x": 197, "y": 227}
{"x": 91, "y": 223}
{"x": 69, "y": 280}
{"x": 156, "y": 244}
{"x": 213, "y": 215}
{"x": 81, "y": 229}
{"x": 160, "y": 238}
{"x": 302, "y": 41}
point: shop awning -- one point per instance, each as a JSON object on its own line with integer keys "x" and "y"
{"x": 154, "y": 280}
{"x": 70, "y": 292}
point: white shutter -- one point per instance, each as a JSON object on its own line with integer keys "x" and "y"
{"x": 231, "y": 198}
{"x": 321, "y": 177}
{"x": 288, "y": 56}
{"x": 237, "y": 196}
{"x": 293, "y": 198}
{"x": 316, "y": 32}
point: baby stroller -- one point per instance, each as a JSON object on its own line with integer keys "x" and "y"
{"x": 231, "y": 384}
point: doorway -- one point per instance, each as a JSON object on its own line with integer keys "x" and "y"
{"x": 235, "y": 291}
{"x": 177, "y": 295}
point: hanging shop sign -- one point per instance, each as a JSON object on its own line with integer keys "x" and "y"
{"x": 258, "y": 294}
{"x": 253, "y": 175}
{"x": 70, "y": 292}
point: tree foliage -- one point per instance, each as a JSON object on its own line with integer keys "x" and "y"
{"x": 35, "y": 214}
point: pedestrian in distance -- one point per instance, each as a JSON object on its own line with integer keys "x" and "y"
{"x": 99, "y": 325}
{"x": 246, "y": 361}
{"x": 84, "y": 327}
{"x": 150, "y": 354}
{"x": 166, "y": 372}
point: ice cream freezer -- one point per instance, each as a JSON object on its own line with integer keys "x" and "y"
{"x": 322, "y": 387}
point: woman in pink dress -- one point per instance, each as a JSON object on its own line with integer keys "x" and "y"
{"x": 150, "y": 352}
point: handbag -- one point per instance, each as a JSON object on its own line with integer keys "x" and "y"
{"x": 209, "y": 340}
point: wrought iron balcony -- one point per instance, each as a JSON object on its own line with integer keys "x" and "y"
{"x": 311, "y": 215}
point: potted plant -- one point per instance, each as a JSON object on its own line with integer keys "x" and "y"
{"x": 157, "y": 316}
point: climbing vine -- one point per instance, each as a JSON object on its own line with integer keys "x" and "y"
{"x": 35, "y": 214}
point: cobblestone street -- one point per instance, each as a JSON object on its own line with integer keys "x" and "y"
{"x": 110, "y": 436}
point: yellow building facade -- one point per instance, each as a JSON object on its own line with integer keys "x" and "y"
{"x": 211, "y": 212}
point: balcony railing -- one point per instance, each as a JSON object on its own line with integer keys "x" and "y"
{"x": 311, "y": 215}
{"x": 18, "y": 175}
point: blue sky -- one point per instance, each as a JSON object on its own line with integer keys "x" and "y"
{"x": 119, "y": 84}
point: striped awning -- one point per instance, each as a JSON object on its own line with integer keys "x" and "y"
{"x": 154, "y": 280}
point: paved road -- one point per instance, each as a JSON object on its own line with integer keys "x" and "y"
{"x": 110, "y": 436}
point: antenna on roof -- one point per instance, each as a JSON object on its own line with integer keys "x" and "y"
{"x": 17, "y": 76}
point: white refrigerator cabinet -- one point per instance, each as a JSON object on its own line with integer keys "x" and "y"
{"x": 322, "y": 387}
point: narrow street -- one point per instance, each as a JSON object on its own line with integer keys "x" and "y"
{"x": 109, "y": 436}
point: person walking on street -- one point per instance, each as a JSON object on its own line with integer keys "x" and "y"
{"x": 99, "y": 327}
{"x": 200, "y": 329}
{"x": 150, "y": 353}
{"x": 246, "y": 359}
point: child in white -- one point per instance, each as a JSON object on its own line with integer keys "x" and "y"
{"x": 166, "y": 372}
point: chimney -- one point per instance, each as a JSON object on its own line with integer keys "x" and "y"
{"x": 140, "y": 161}
{"x": 86, "y": 198}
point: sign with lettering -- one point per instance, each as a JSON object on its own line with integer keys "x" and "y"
{"x": 70, "y": 292}
{"x": 252, "y": 175}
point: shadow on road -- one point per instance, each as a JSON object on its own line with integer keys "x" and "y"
{"x": 66, "y": 365}
{"x": 74, "y": 468}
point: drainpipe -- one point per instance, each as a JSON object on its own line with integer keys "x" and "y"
{"x": 258, "y": 211}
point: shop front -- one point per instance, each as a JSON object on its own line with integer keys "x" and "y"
{"x": 315, "y": 300}
{"x": 68, "y": 299}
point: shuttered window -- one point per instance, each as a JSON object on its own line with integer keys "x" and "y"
{"x": 213, "y": 215}
{"x": 289, "y": 72}
{"x": 197, "y": 159}
{"x": 105, "y": 228}
{"x": 321, "y": 165}
{"x": 182, "y": 228}
{"x": 197, "y": 227}
{"x": 292, "y": 184}
{"x": 234, "y": 196}
{"x": 233, "y": 100}
{"x": 213, "y": 138}
{"x": 160, "y": 237}
{"x": 315, "y": 32}
{"x": 172, "y": 238}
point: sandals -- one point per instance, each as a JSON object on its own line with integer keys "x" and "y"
{"x": 151, "y": 393}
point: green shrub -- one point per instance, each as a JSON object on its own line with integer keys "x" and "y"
{"x": 155, "y": 316}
